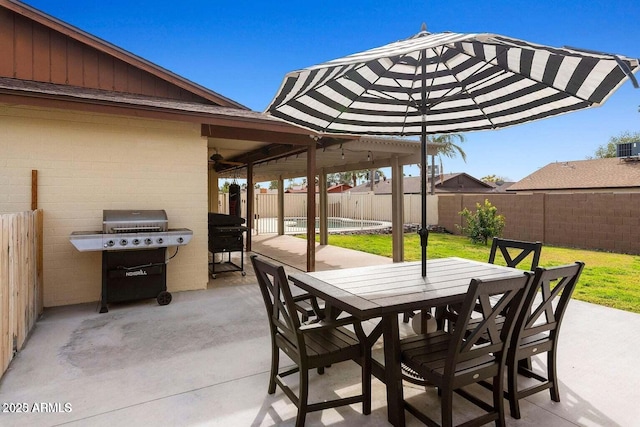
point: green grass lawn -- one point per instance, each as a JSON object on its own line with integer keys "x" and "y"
{"x": 608, "y": 279}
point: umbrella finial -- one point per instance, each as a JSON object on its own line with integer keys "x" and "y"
{"x": 423, "y": 28}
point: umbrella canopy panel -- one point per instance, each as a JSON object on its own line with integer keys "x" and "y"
{"x": 472, "y": 82}
{"x": 447, "y": 83}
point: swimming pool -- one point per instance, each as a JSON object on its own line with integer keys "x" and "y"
{"x": 335, "y": 224}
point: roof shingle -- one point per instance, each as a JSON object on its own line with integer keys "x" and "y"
{"x": 583, "y": 174}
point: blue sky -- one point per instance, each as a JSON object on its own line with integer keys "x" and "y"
{"x": 242, "y": 50}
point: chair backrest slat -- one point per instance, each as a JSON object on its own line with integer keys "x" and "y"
{"x": 283, "y": 317}
{"x": 515, "y": 251}
{"x": 546, "y": 302}
{"x": 489, "y": 335}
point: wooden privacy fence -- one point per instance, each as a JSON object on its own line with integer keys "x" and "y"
{"x": 20, "y": 280}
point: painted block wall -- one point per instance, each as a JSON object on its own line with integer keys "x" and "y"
{"x": 600, "y": 221}
{"x": 89, "y": 162}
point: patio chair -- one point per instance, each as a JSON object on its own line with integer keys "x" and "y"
{"x": 311, "y": 346}
{"x": 469, "y": 353}
{"x": 513, "y": 252}
{"x": 537, "y": 330}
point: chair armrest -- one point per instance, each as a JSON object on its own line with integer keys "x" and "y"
{"x": 302, "y": 297}
{"x": 313, "y": 300}
{"x": 324, "y": 324}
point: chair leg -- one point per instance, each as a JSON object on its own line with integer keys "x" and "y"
{"x": 406, "y": 316}
{"x": 303, "y": 397}
{"x": 498, "y": 398}
{"x": 552, "y": 375}
{"x": 525, "y": 364}
{"x": 512, "y": 388}
{"x": 275, "y": 361}
{"x": 366, "y": 382}
{"x": 446, "y": 406}
{"x": 439, "y": 318}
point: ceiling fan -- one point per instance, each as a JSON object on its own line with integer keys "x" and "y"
{"x": 217, "y": 160}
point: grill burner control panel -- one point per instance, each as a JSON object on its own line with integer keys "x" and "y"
{"x": 96, "y": 241}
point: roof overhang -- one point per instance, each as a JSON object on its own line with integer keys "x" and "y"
{"x": 275, "y": 148}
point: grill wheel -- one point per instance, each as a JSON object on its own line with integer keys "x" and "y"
{"x": 164, "y": 298}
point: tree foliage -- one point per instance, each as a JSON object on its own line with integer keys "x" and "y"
{"x": 494, "y": 178}
{"x": 351, "y": 177}
{"x": 447, "y": 148}
{"x": 482, "y": 224}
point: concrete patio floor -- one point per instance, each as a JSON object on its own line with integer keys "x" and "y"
{"x": 204, "y": 360}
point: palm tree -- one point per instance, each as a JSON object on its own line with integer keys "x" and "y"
{"x": 446, "y": 147}
{"x": 352, "y": 177}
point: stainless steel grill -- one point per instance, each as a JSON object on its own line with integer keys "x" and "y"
{"x": 131, "y": 229}
{"x": 133, "y": 245}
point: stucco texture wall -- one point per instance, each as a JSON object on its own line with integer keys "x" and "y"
{"x": 90, "y": 162}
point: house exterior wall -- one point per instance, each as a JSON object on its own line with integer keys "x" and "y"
{"x": 601, "y": 221}
{"x": 90, "y": 162}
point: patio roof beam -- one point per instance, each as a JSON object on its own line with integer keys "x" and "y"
{"x": 295, "y": 137}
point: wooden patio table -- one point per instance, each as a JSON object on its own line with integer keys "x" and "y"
{"x": 384, "y": 291}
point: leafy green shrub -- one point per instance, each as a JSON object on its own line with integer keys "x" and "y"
{"x": 482, "y": 224}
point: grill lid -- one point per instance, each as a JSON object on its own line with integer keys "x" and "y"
{"x": 134, "y": 221}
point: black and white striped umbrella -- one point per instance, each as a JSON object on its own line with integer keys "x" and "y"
{"x": 447, "y": 83}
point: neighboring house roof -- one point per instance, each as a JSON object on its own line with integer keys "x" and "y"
{"x": 446, "y": 183}
{"x": 339, "y": 188}
{"x": 298, "y": 189}
{"x": 613, "y": 173}
{"x": 500, "y": 187}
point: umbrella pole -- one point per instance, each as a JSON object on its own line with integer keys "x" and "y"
{"x": 423, "y": 232}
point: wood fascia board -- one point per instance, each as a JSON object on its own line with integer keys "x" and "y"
{"x": 102, "y": 107}
{"x": 119, "y": 53}
{"x": 234, "y": 127}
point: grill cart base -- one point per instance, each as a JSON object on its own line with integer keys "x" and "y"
{"x": 226, "y": 235}
{"x": 134, "y": 275}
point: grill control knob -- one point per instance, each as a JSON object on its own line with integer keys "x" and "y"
{"x": 180, "y": 240}
{"x": 109, "y": 244}
{"x": 160, "y": 240}
{"x": 123, "y": 242}
{"x": 136, "y": 242}
{"x": 148, "y": 241}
